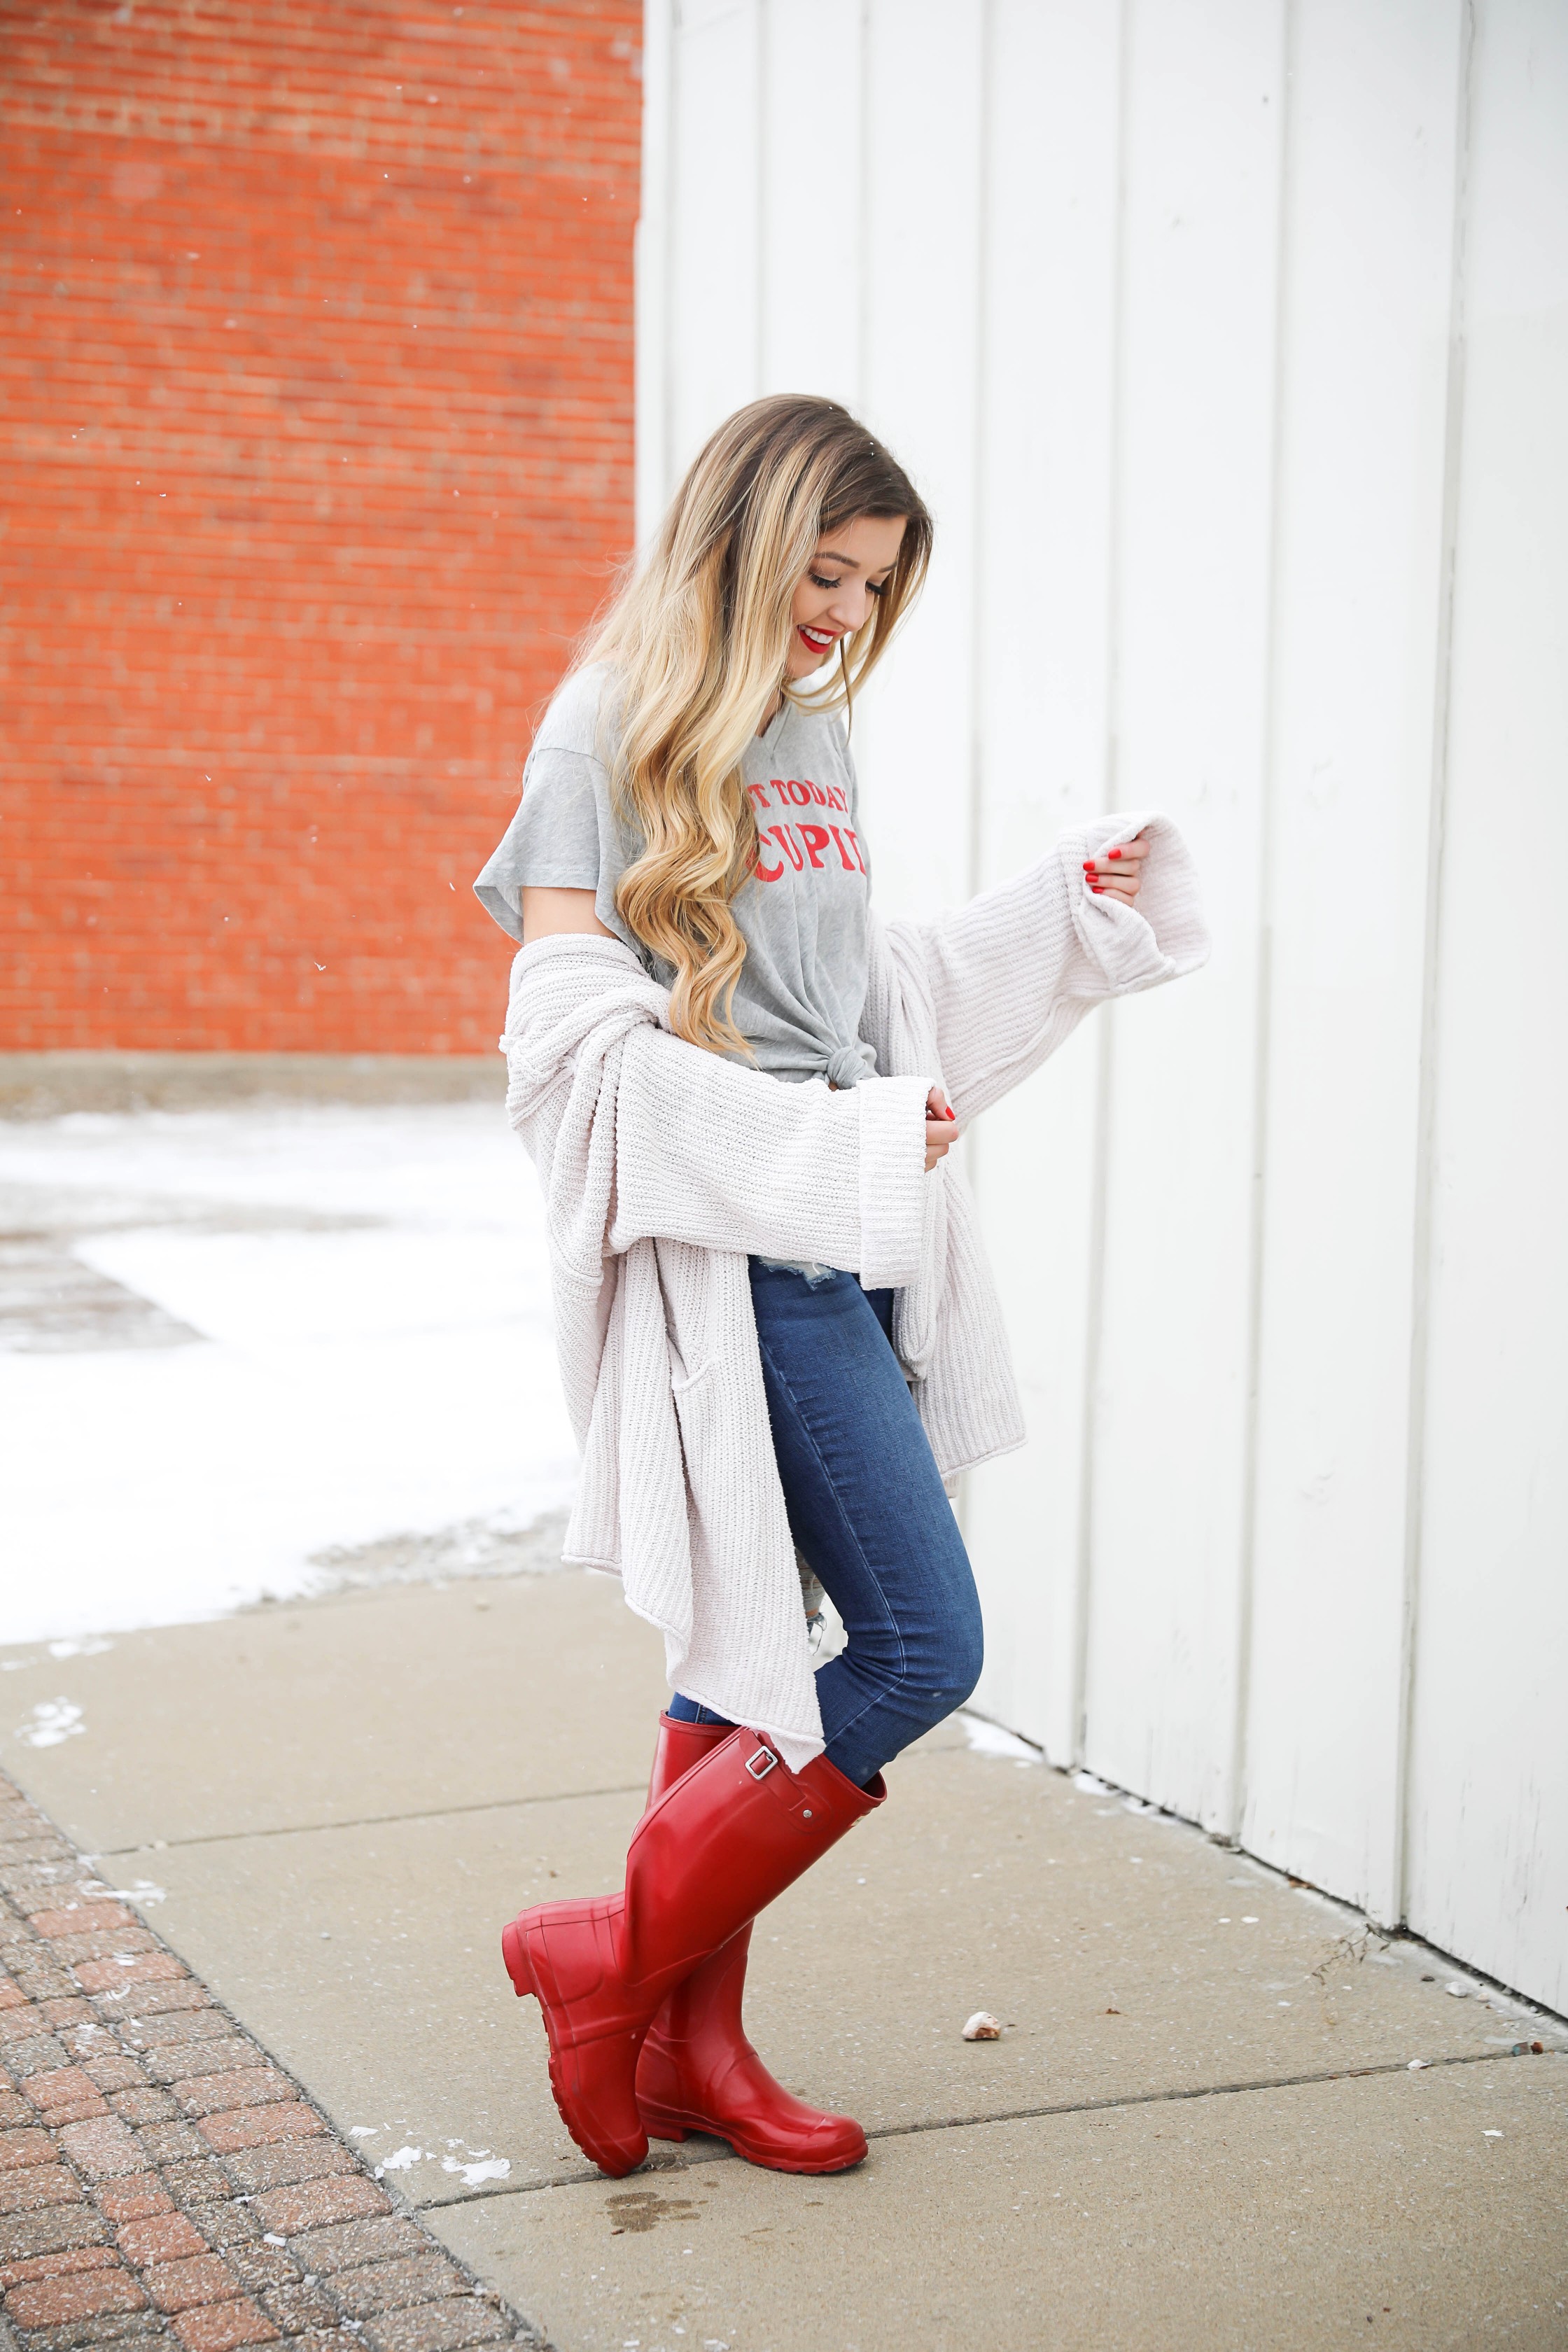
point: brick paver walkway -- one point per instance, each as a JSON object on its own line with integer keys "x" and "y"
{"x": 161, "y": 2178}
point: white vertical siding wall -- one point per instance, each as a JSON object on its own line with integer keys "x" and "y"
{"x": 1202, "y": 109}
{"x": 1484, "y": 1864}
{"x": 1229, "y": 340}
{"x": 1367, "y": 240}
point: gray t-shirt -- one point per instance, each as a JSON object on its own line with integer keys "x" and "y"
{"x": 802, "y": 913}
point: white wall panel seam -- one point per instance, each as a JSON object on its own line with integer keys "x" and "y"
{"x": 1236, "y": 1797}
{"x": 1084, "y": 1590}
{"x": 981, "y": 451}
{"x": 759, "y": 164}
{"x": 1426, "y": 1113}
{"x": 863, "y": 215}
{"x": 971, "y": 1163}
{"x": 1093, "y": 1331}
{"x": 655, "y": 229}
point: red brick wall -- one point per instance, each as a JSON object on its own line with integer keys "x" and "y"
{"x": 316, "y": 403}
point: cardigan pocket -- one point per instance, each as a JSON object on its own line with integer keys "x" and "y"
{"x": 685, "y": 1379}
{"x": 699, "y": 1421}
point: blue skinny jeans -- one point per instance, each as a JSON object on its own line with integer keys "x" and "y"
{"x": 867, "y": 1510}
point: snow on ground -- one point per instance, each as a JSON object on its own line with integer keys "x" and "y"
{"x": 358, "y": 1349}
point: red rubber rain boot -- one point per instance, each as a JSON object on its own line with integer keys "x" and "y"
{"x": 734, "y": 1831}
{"x": 698, "y": 2071}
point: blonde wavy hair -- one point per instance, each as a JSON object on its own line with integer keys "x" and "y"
{"x": 699, "y": 637}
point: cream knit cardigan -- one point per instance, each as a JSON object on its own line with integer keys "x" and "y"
{"x": 664, "y": 1167}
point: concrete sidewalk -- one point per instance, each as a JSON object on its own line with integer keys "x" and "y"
{"x": 1206, "y": 2124}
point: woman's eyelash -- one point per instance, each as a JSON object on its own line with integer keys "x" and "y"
{"x": 818, "y": 581}
{"x": 877, "y": 587}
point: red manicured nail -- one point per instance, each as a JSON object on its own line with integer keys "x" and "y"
{"x": 1113, "y": 852}
{"x": 950, "y": 1112}
{"x": 1099, "y": 890}
{"x": 1088, "y": 865}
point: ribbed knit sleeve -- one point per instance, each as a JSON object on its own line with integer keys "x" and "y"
{"x": 670, "y": 1143}
{"x": 731, "y": 1159}
{"x": 1009, "y": 976}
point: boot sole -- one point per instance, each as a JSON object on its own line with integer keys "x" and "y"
{"x": 612, "y": 2160}
{"x": 661, "y": 2122}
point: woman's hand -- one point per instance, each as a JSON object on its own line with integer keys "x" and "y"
{"x": 1118, "y": 874}
{"x": 942, "y": 1128}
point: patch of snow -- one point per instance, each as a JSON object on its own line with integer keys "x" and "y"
{"x": 990, "y": 1739}
{"x": 54, "y": 1719}
{"x": 475, "y": 2165}
{"x": 371, "y": 1287}
{"x": 142, "y": 1892}
{"x": 83, "y": 1649}
{"x": 1092, "y": 1787}
{"x": 492, "y": 2167}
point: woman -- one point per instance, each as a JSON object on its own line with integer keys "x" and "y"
{"x": 777, "y": 1330}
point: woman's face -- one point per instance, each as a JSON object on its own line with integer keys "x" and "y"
{"x": 841, "y": 586}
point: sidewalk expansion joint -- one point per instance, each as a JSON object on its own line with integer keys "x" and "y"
{"x": 1187, "y": 2091}
{"x": 718, "y": 2152}
{"x": 364, "y": 1821}
{"x": 167, "y": 2182}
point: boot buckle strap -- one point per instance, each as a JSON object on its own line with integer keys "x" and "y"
{"x": 760, "y": 1765}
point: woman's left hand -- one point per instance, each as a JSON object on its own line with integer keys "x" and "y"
{"x": 1117, "y": 873}
{"x": 942, "y": 1128}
